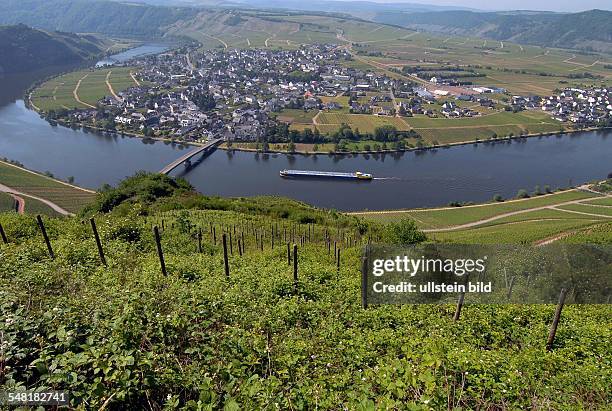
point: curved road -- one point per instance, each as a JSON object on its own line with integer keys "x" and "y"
{"x": 55, "y": 207}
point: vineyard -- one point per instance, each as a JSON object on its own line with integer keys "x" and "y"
{"x": 202, "y": 303}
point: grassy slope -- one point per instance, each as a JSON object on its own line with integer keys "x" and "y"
{"x": 251, "y": 341}
{"x": 67, "y": 197}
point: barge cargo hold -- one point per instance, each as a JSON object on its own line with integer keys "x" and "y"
{"x": 325, "y": 174}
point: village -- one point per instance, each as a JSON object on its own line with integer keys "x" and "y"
{"x": 240, "y": 95}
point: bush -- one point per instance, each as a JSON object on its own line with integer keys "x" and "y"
{"x": 522, "y": 194}
{"x": 404, "y": 232}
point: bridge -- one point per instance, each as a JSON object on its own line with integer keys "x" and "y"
{"x": 206, "y": 148}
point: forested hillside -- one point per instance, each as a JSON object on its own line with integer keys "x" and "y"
{"x": 586, "y": 30}
{"x": 23, "y": 48}
{"x": 92, "y": 16}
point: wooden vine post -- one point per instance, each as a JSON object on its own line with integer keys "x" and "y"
{"x": 225, "y": 260}
{"x": 41, "y": 225}
{"x": 288, "y": 254}
{"x": 556, "y": 318}
{"x": 459, "y": 307}
{"x": 3, "y": 235}
{"x": 295, "y": 267}
{"x": 200, "y": 241}
{"x": 98, "y": 242}
{"x": 364, "y": 282}
{"x": 160, "y": 252}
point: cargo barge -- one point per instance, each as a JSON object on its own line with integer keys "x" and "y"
{"x": 325, "y": 174}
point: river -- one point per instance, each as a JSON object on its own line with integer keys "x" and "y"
{"x": 405, "y": 180}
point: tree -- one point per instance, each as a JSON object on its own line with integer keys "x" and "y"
{"x": 204, "y": 100}
{"x": 522, "y": 194}
{"x": 537, "y": 190}
{"x": 291, "y": 147}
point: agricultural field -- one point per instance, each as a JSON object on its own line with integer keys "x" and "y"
{"x": 126, "y": 335}
{"x": 601, "y": 201}
{"x": 433, "y": 130}
{"x": 548, "y": 217}
{"x": 453, "y": 216}
{"x": 483, "y": 127}
{"x": 524, "y": 232}
{"x": 521, "y": 69}
{"x": 296, "y": 116}
{"x": 7, "y": 203}
{"x": 68, "y": 197}
{"x": 81, "y": 89}
{"x": 363, "y": 122}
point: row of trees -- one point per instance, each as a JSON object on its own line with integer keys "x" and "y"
{"x": 280, "y": 133}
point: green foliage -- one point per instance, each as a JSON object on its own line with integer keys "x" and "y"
{"x": 93, "y": 16}
{"x": 24, "y": 49}
{"x": 404, "y": 232}
{"x": 143, "y": 188}
{"x": 604, "y": 186}
{"x": 130, "y": 337}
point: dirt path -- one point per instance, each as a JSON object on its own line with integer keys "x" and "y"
{"x": 135, "y": 79}
{"x": 110, "y": 86}
{"x": 477, "y": 223}
{"x": 13, "y": 192}
{"x": 517, "y": 212}
{"x": 554, "y": 238}
{"x": 579, "y": 212}
{"x": 20, "y": 203}
{"x": 75, "y": 92}
{"x": 216, "y": 38}
{"x": 32, "y": 103}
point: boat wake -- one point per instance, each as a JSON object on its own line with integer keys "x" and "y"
{"x": 388, "y": 178}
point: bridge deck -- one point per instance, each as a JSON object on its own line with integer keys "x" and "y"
{"x": 189, "y": 155}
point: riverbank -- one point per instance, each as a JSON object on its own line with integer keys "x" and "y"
{"x": 407, "y": 149}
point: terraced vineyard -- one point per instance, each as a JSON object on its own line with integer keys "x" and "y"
{"x": 69, "y": 197}
{"x": 363, "y": 122}
{"x": 81, "y": 89}
{"x": 533, "y": 220}
{"x": 127, "y": 336}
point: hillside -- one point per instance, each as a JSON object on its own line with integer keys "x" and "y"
{"x": 23, "y": 48}
{"x": 124, "y": 335}
{"x": 589, "y": 30}
{"x": 92, "y": 16}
